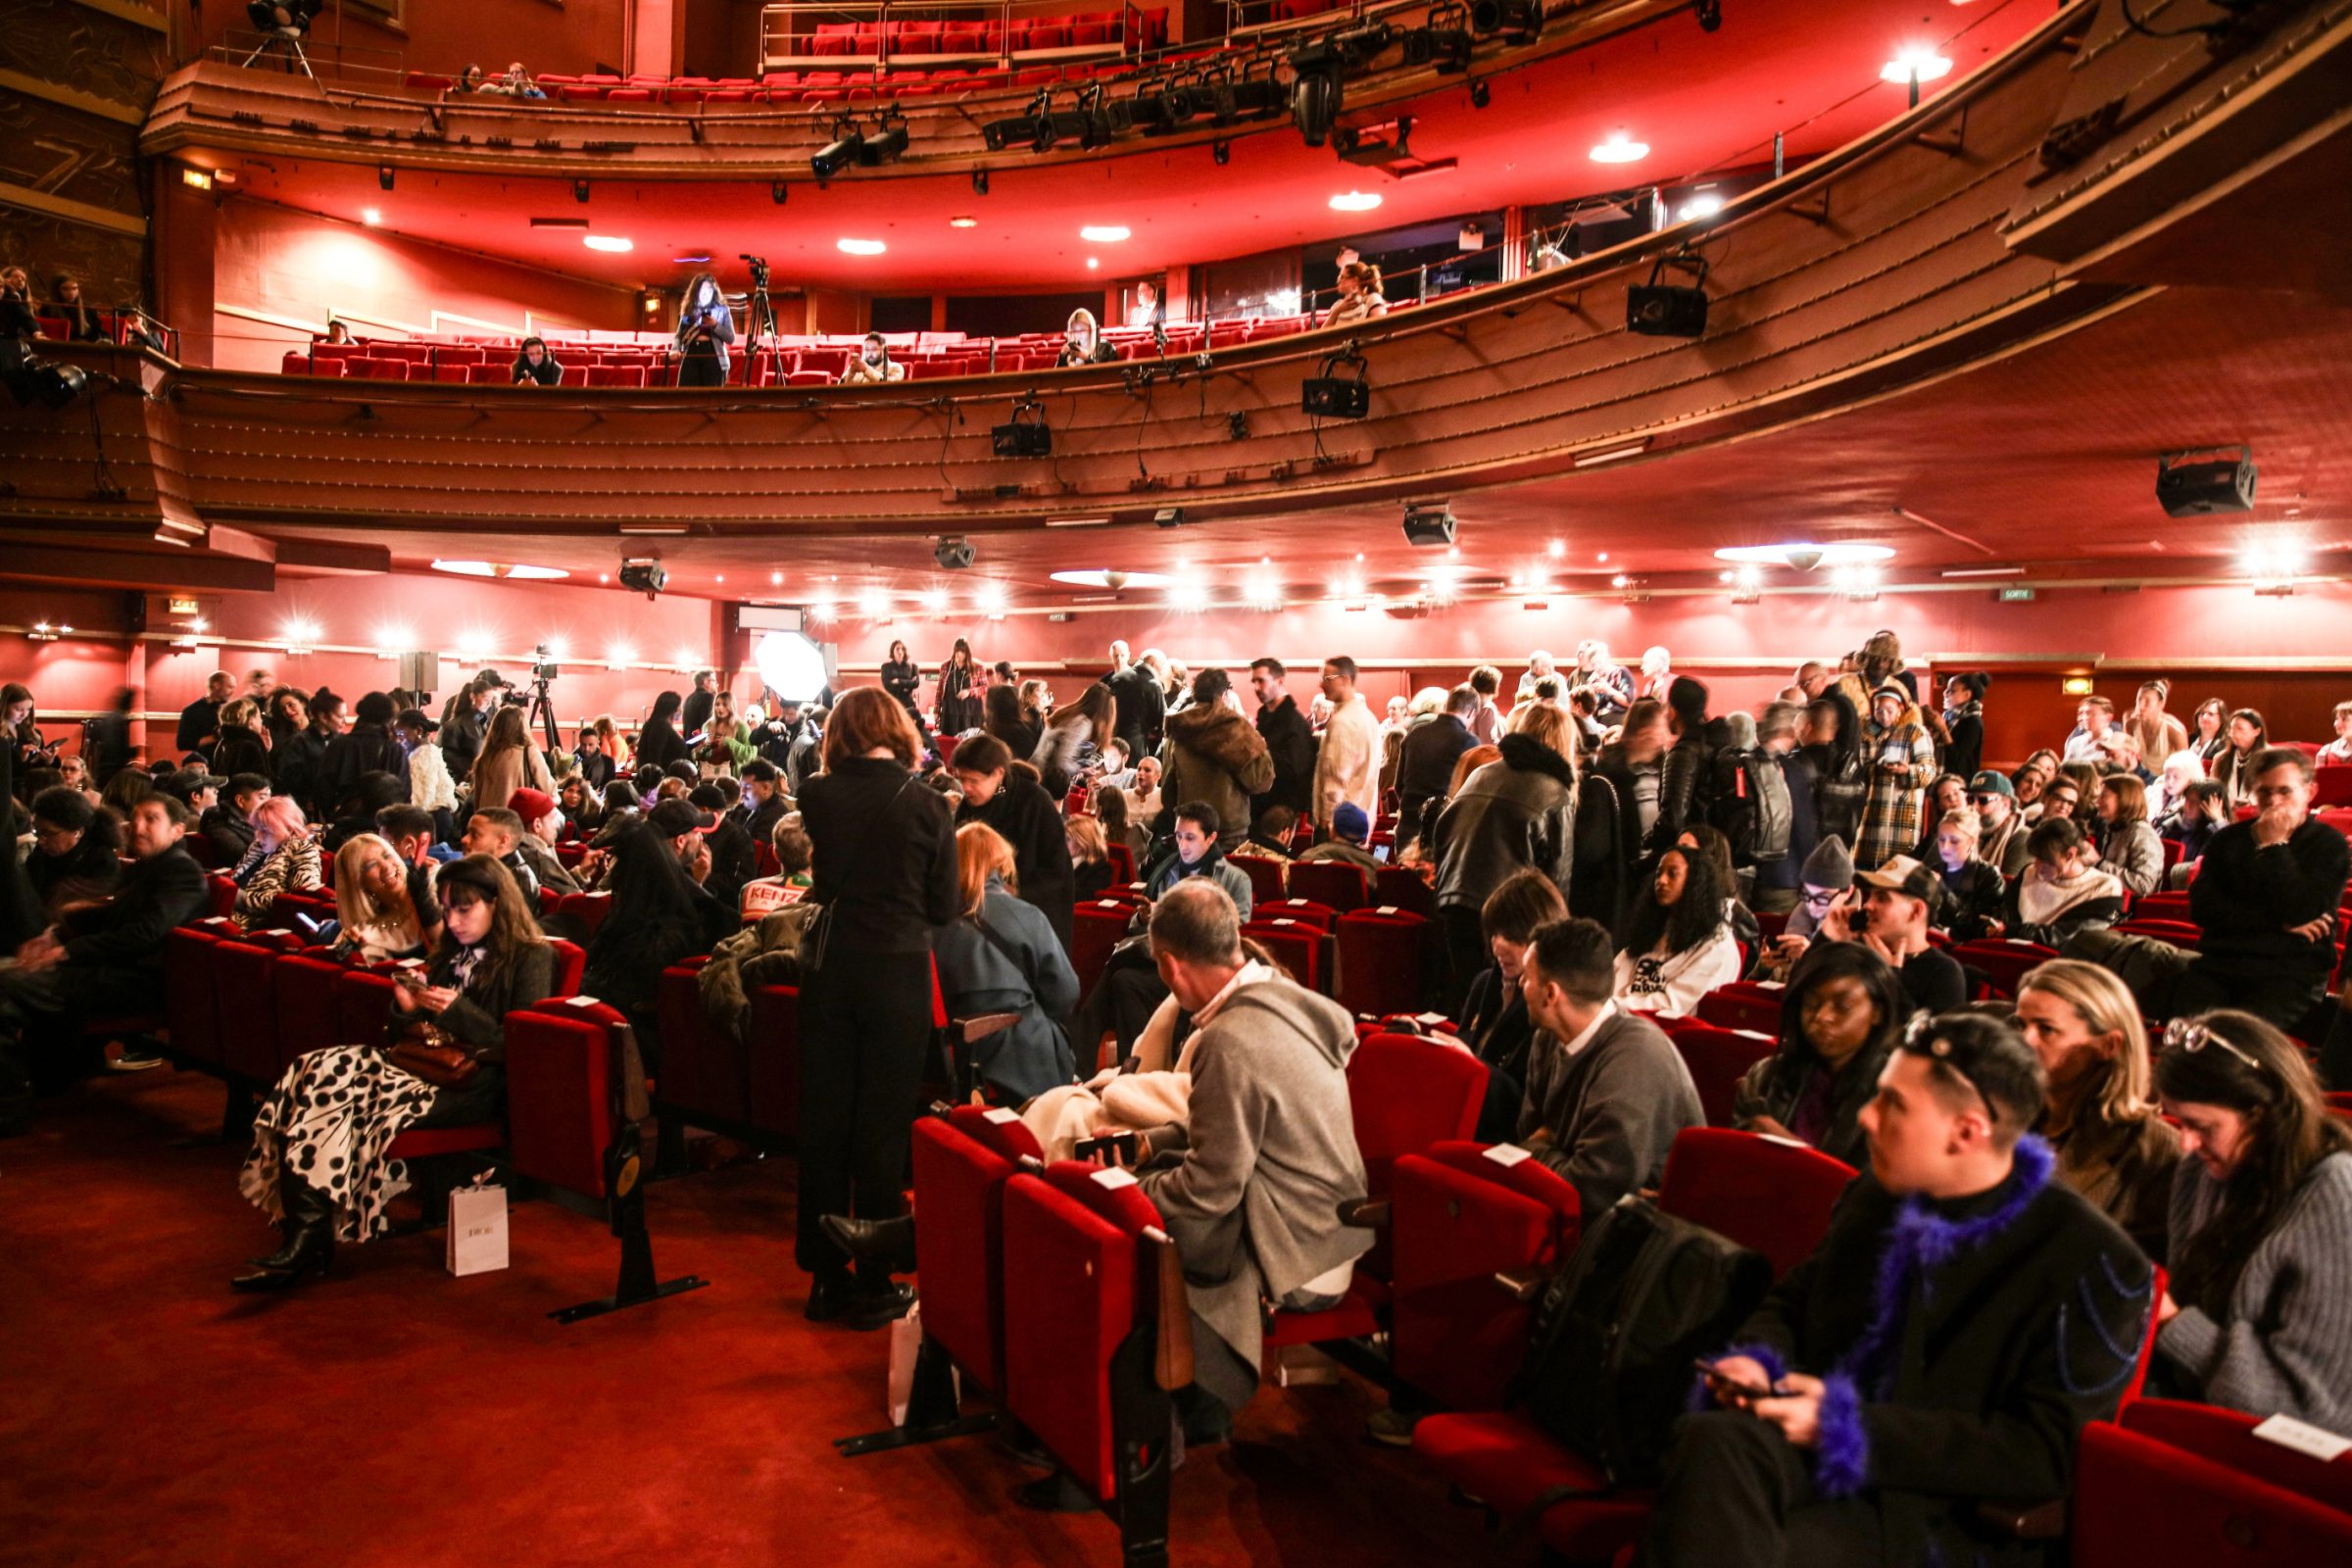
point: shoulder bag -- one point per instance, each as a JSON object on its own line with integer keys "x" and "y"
{"x": 818, "y": 934}
{"x": 428, "y": 1052}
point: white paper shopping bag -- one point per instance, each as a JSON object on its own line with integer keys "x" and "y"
{"x": 477, "y": 1230}
{"x": 905, "y": 1343}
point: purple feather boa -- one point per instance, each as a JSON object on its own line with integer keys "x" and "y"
{"x": 1842, "y": 1452}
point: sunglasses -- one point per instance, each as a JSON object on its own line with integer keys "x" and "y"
{"x": 2190, "y": 1036}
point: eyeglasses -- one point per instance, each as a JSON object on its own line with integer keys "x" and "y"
{"x": 1828, "y": 896}
{"x": 2191, "y": 1035}
{"x": 1985, "y": 799}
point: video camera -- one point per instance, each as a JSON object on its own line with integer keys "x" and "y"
{"x": 759, "y": 268}
{"x": 543, "y": 664}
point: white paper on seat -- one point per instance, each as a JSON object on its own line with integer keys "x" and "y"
{"x": 1508, "y": 1154}
{"x": 2304, "y": 1438}
{"x": 1113, "y": 1178}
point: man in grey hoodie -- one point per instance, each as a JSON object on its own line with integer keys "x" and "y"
{"x": 1252, "y": 1189}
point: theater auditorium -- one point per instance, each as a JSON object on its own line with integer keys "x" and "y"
{"x": 1208, "y": 782}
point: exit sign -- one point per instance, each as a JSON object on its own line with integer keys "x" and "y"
{"x": 184, "y": 606}
{"x": 2017, "y": 596}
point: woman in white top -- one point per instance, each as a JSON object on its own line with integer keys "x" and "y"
{"x": 430, "y": 788}
{"x": 1676, "y": 946}
{"x": 1360, "y": 296}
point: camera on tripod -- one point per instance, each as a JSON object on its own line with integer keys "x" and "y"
{"x": 759, "y": 268}
{"x": 543, "y": 664}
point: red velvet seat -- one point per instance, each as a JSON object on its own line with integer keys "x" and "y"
{"x": 1304, "y": 911}
{"x": 1095, "y": 927}
{"x": 2169, "y": 1482}
{"x": 1333, "y": 883}
{"x": 1297, "y": 947}
{"x": 703, "y": 1071}
{"x": 1405, "y": 888}
{"x": 2162, "y": 906}
{"x": 1744, "y": 1005}
{"x": 962, "y": 1163}
{"x": 1768, "y": 1194}
{"x": 191, "y": 990}
{"x": 587, "y": 909}
{"x": 1122, "y": 863}
{"x": 1381, "y": 958}
{"x": 1717, "y": 1058}
{"x": 245, "y": 977}
{"x": 2004, "y": 961}
{"x": 772, "y": 1063}
{"x": 1265, "y": 878}
{"x": 306, "y": 1004}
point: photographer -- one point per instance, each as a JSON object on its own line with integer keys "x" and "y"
{"x": 534, "y": 366}
{"x": 873, "y": 364}
{"x": 705, "y": 327}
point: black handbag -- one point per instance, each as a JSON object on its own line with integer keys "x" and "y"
{"x": 818, "y": 932}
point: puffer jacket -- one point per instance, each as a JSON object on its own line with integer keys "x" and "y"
{"x": 1511, "y": 816}
{"x": 1215, "y": 756}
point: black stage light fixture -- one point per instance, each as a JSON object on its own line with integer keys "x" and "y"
{"x": 1233, "y": 98}
{"x": 1709, "y": 14}
{"x": 644, "y": 575}
{"x": 36, "y": 380}
{"x": 1033, "y": 127}
{"x": 1223, "y": 152}
{"x": 953, "y": 553}
{"x": 291, "y": 17}
{"x": 1338, "y": 397}
{"x": 1428, "y": 523}
{"x": 888, "y": 140}
{"x": 979, "y": 181}
{"x": 579, "y": 190}
{"x": 384, "y": 176}
{"x": 1518, "y": 21}
{"x": 1027, "y": 435}
{"x": 779, "y": 193}
{"x": 1480, "y": 92}
{"x": 1317, "y": 92}
{"x": 839, "y": 153}
{"x": 1169, "y": 517}
{"x": 1669, "y": 309}
{"x": 1443, "y": 42}
{"x": 2201, "y": 489}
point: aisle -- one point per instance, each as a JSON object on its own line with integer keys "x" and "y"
{"x": 394, "y": 1418}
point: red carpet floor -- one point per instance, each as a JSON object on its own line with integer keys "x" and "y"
{"x": 391, "y": 1415}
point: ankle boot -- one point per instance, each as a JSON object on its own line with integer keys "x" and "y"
{"x": 887, "y": 1244}
{"x": 309, "y": 1229}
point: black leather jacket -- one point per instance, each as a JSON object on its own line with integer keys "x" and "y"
{"x": 1512, "y": 816}
{"x": 1678, "y": 776}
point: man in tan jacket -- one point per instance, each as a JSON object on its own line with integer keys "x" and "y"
{"x": 1348, "y": 767}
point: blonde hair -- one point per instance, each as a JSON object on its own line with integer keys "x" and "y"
{"x": 1547, "y": 725}
{"x": 2105, "y": 1005}
{"x": 1967, "y": 822}
{"x": 239, "y": 714}
{"x": 1085, "y": 836}
{"x": 355, "y": 904}
{"x": 979, "y": 851}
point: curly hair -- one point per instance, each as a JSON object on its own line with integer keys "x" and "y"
{"x": 1693, "y": 918}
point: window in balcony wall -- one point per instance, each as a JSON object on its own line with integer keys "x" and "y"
{"x": 1264, "y": 285}
{"x": 1011, "y": 315}
{"x": 901, "y": 313}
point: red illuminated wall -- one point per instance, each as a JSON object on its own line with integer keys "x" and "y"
{"x": 444, "y": 36}
{"x": 273, "y": 262}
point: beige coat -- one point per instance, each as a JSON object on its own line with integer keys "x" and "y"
{"x": 1347, "y": 764}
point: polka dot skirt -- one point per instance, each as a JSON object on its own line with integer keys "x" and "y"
{"x": 330, "y": 1120}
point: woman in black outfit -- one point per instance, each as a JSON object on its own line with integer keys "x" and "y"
{"x": 658, "y": 744}
{"x": 1840, "y": 1018}
{"x": 1494, "y": 1019}
{"x": 1007, "y": 723}
{"x": 1964, "y": 718}
{"x": 659, "y": 917}
{"x": 320, "y": 1162}
{"x": 884, "y": 870}
{"x": 535, "y": 365}
{"x": 1028, "y": 819}
{"x": 704, "y": 329}
{"x": 244, "y": 743}
{"x": 958, "y": 705}
{"x": 902, "y": 679}
{"x": 77, "y": 850}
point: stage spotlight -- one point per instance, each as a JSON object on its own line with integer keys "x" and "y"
{"x": 979, "y": 181}
{"x": 289, "y": 18}
{"x": 579, "y": 190}
{"x": 1027, "y": 435}
{"x": 644, "y": 575}
{"x": 1223, "y": 152}
{"x": 839, "y": 153}
{"x": 1480, "y": 92}
{"x": 778, "y": 192}
{"x": 887, "y": 142}
{"x": 1428, "y": 523}
{"x": 1518, "y": 21}
{"x": 1168, "y": 518}
{"x": 2201, "y": 489}
{"x": 1317, "y": 92}
{"x": 384, "y": 176}
{"x": 1233, "y": 98}
{"x": 35, "y": 380}
{"x": 953, "y": 553}
{"x": 1669, "y": 309}
{"x": 1331, "y": 397}
{"x": 1709, "y": 14}
{"x": 1443, "y": 42}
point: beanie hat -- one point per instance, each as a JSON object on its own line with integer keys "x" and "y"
{"x": 1830, "y": 866}
{"x": 530, "y": 805}
{"x": 1348, "y": 821}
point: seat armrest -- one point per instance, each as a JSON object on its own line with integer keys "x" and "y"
{"x": 985, "y": 1024}
{"x": 1172, "y": 1350}
{"x": 1366, "y": 1214}
{"x": 1521, "y": 1285}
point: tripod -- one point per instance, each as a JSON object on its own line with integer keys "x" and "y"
{"x": 288, "y": 43}
{"x": 761, "y": 325}
{"x": 540, "y": 709}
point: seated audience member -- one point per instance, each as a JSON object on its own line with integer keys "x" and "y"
{"x": 375, "y": 919}
{"x": 2065, "y": 891}
{"x": 765, "y": 802}
{"x": 579, "y": 814}
{"x": 1841, "y": 1017}
{"x": 497, "y": 832}
{"x": 1712, "y": 843}
{"x": 1494, "y": 1019}
{"x": 1606, "y": 1091}
{"x": 2203, "y": 812}
{"x": 2237, "y": 767}
{"x": 542, "y": 826}
{"x": 2258, "y": 1317}
{"x": 2001, "y": 826}
{"x": 1961, "y": 1322}
{"x": 1026, "y": 817}
{"x": 288, "y": 860}
{"x": 1196, "y": 855}
{"x": 228, "y": 826}
{"x": 2266, "y": 900}
{"x": 1349, "y": 830}
{"x": 100, "y": 957}
{"x": 2337, "y": 752}
{"x": 1826, "y": 877}
{"x": 1271, "y": 834}
{"x": 659, "y": 917}
{"x": 1119, "y": 825}
{"x": 1948, "y": 794}
{"x": 2180, "y": 770}
{"x": 1091, "y": 870}
{"x": 77, "y": 850}
{"x": 1678, "y": 947}
{"x": 320, "y": 1164}
{"x": 2112, "y": 1146}
{"x": 1359, "y": 297}
{"x": 2129, "y": 846}
{"x": 1251, "y": 1189}
{"x": 1517, "y": 814}
{"x": 534, "y": 366}
{"x": 1082, "y": 342}
{"x": 872, "y": 365}
{"x": 1890, "y": 910}
{"x": 519, "y": 83}
{"x": 1143, "y": 795}
{"x": 1972, "y": 891}
{"x": 734, "y": 853}
{"x": 999, "y": 955}
{"x": 790, "y": 884}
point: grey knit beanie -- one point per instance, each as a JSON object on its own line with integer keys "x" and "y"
{"x": 1830, "y": 866}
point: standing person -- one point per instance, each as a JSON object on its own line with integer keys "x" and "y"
{"x": 1485, "y": 720}
{"x": 200, "y": 720}
{"x": 700, "y": 702}
{"x": 1027, "y": 818}
{"x": 884, "y": 869}
{"x": 1834, "y": 740}
{"x": 1426, "y": 767}
{"x": 959, "y": 686}
{"x": 1004, "y": 721}
{"x": 1964, "y": 722}
{"x": 657, "y": 917}
{"x": 242, "y": 744}
{"x": 2112, "y": 1147}
{"x": 903, "y": 678}
{"x": 511, "y": 760}
{"x": 1289, "y": 741}
{"x": 1348, "y": 766}
{"x": 1609, "y": 683}
{"x": 1683, "y": 775}
{"x": 1136, "y": 696}
{"x": 1216, "y": 758}
{"x": 368, "y": 747}
{"x": 1900, "y": 759}
{"x": 302, "y": 760}
{"x": 1776, "y": 880}
{"x": 1073, "y": 738}
{"x": 706, "y": 327}
{"x": 2158, "y": 733}
{"x": 658, "y": 743}
{"x": 2258, "y": 1317}
{"x": 1517, "y": 814}
{"x": 466, "y": 724}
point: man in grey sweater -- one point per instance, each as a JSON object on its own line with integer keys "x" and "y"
{"x": 1252, "y": 1189}
{"x": 1606, "y": 1091}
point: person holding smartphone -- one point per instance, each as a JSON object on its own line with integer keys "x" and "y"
{"x": 1964, "y": 1318}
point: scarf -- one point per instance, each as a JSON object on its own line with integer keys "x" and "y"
{"x": 1971, "y": 709}
{"x": 2043, "y": 899}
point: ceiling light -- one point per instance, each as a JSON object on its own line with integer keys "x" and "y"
{"x": 1190, "y": 594}
{"x": 1915, "y": 63}
{"x": 1356, "y": 201}
{"x": 1805, "y": 555}
{"x": 684, "y": 659}
{"x": 2272, "y": 564}
{"x": 1981, "y": 571}
{"x": 1707, "y": 204}
{"x": 1557, "y": 549}
{"x": 1620, "y": 148}
{"x": 196, "y": 178}
{"x": 933, "y": 601}
{"x": 963, "y": 222}
{"x": 390, "y": 638}
{"x": 1098, "y": 577}
{"x": 1103, "y": 233}
{"x": 873, "y": 606}
{"x": 613, "y": 244}
{"x": 990, "y": 597}
{"x": 860, "y": 247}
{"x": 1093, "y": 262}
{"x": 1261, "y": 590}
{"x": 500, "y": 568}
{"x": 775, "y": 579}
{"x": 818, "y": 610}
{"x": 618, "y": 655}
{"x": 371, "y": 216}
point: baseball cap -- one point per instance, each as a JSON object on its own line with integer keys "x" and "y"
{"x": 188, "y": 780}
{"x": 491, "y": 677}
{"x": 530, "y": 805}
{"x": 1348, "y": 822}
{"x": 1903, "y": 874}
{"x": 1992, "y": 782}
{"x": 676, "y": 816}
{"x": 418, "y": 720}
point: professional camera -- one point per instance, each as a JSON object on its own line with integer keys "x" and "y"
{"x": 759, "y": 268}
{"x": 543, "y": 664}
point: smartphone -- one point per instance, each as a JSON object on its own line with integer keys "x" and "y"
{"x": 1094, "y": 1147}
{"x": 1746, "y": 1390}
{"x": 413, "y": 979}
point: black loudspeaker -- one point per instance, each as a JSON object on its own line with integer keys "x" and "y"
{"x": 1665, "y": 309}
{"x": 1027, "y": 436}
{"x": 2201, "y": 489}
{"x": 1335, "y": 397}
{"x": 1425, "y": 526}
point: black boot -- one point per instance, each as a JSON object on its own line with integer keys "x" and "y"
{"x": 309, "y": 1228}
{"x": 884, "y": 1243}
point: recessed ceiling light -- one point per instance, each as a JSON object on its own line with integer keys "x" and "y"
{"x": 963, "y": 222}
{"x": 1804, "y": 555}
{"x": 1103, "y": 233}
{"x": 1917, "y": 60}
{"x": 1620, "y": 148}
{"x": 501, "y": 568}
{"x": 370, "y": 217}
{"x": 860, "y": 247}
{"x": 1093, "y": 262}
{"x": 1356, "y": 201}
{"x": 1097, "y": 577}
{"x": 1705, "y": 204}
{"x": 614, "y": 243}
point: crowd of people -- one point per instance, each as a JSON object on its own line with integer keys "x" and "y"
{"x": 1603, "y": 849}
